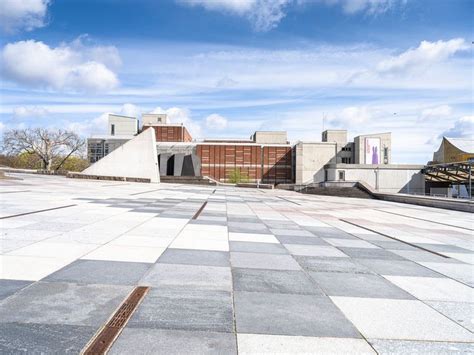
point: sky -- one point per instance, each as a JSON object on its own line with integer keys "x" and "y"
{"x": 226, "y": 68}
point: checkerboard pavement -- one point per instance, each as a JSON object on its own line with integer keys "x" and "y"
{"x": 258, "y": 271}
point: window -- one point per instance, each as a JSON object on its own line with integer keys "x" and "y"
{"x": 342, "y": 175}
{"x": 385, "y": 155}
{"x": 346, "y": 160}
{"x": 112, "y": 129}
{"x": 347, "y": 149}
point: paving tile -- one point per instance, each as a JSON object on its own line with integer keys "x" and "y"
{"x": 9, "y": 287}
{"x": 397, "y": 268}
{"x": 195, "y": 257}
{"x": 18, "y": 338}
{"x": 252, "y": 247}
{"x": 461, "y": 313}
{"x": 195, "y": 277}
{"x": 444, "y": 248}
{"x": 350, "y": 243}
{"x": 289, "y": 314}
{"x": 329, "y": 232}
{"x": 19, "y": 267}
{"x": 423, "y": 256}
{"x": 460, "y": 272}
{"x": 161, "y": 341}
{"x": 331, "y": 264}
{"x": 400, "y": 319}
{"x": 366, "y": 253}
{"x": 274, "y": 281}
{"x": 291, "y": 232}
{"x": 139, "y": 254}
{"x": 263, "y": 261}
{"x": 101, "y": 272}
{"x": 302, "y": 240}
{"x": 185, "y": 310}
{"x": 63, "y": 303}
{"x": 434, "y": 289}
{"x": 142, "y": 241}
{"x": 53, "y": 250}
{"x": 358, "y": 285}
{"x": 284, "y": 344}
{"x": 314, "y": 250}
{"x": 389, "y": 347}
{"x": 393, "y": 245}
{"x": 252, "y": 237}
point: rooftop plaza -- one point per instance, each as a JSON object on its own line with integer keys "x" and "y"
{"x": 229, "y": 270}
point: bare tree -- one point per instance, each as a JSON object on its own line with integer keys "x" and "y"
{"x": 49, "y": 145}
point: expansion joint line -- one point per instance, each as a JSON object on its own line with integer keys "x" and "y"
{"x": 39, "y": 211}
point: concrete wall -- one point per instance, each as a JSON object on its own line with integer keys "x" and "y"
{"x": 123, "y": 125}
{"x": 359, "y": 145}
{"x": 154, "y": 118}
{"x": 311, "y": 159}
{"x": 135, "y": 159}
{"x": 270, "y": 137}
{"x": 382, "y": 178}
{"x": 338, "y": 136}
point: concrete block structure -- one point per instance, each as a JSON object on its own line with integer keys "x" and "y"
{"x": 136, "y": 158}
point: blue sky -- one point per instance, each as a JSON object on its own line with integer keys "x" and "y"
{"x": 228, "y": 67}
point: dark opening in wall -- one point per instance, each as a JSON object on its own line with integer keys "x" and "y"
{"x": 170, "y": 166}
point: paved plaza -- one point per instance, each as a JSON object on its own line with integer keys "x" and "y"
{"x": 251, "y": 271}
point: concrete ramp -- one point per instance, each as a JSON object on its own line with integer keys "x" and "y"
{"x": 135, "y": 159}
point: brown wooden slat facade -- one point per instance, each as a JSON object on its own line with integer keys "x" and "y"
{"x": 219, "y": 161}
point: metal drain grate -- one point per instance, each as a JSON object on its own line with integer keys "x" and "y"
{"x": 200, "y": 210}
{"x": 104, "y": 339}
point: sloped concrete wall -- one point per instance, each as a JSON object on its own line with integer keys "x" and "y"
{"x": 135, "y": 159}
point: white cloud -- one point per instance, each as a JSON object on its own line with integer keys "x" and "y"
{"x": 425, "y": 54}
{"x": 34, "y": 63}
{"x": 30, "y": 111}
{"x": 462, "y": 128}
{"x": 263, "y": 14}
{"x": 179, "y": 115}
{"x": 23, "y": 14}
{"x": 436, "y": 112}
{"x": 370, "y": 7}
{"x": 216, "y": 122}
{"x": 131, "y": 110}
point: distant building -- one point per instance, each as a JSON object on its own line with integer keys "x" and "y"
{"x": 454, "y": 150}
{"x": 266, "y": 157}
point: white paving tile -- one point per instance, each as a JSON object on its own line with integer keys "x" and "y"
{"x": 314, "y": 250}
{"x": 125, "y": 253}
{"x": 49, "y": 249}
{"x": 281, "y": 344}
{"x": 13, "y": 267}
{"x": 434, "y": 288}
{"x": 253, "y": 237}
{"x": 400, "y": 319}
{"x": 350, "y": 243}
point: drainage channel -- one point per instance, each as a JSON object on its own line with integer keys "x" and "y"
{"x": 426, "y": 220}
{"x": 196, "y": 215}
{"x": 393, "y": 238}
{"x": 144, "y": 192}
{"x": 285, "y": 199}
{"x": 107, "y": 335}
{"x": 13, "y": 192}
{"x": 33, "y": 212}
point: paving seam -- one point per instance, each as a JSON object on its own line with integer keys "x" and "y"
{"x": 39, "y": 211}
{"x": 425, "y": 220}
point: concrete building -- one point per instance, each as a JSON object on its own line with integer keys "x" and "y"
{"x": 268, "y": 156}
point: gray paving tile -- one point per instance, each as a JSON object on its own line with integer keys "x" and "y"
{"x": 444, "y": 248}
{"x": 329, "y": 232}
{"x": 301, "y": 240}
{"x": 9, "y": 287}
{"x": 173, "y": 342}
{"x": 18, "y": 338}
{"x": 390, "y": 347}
{"x": 393, "y": 245}
{"x": 274, "y": 281}
{"x": 246, "y": 227}
{"x": 101, "y": 272}
{"x": 288, "y": 314}
{"x": 324, "y": 264}
{"x": 358, "y": 285}
{"x": 397, "y": 268}
{"x": 291, "y": 232}
{"x": 255, "y": 247}
{"x": 424, "y": 256}
{"x": 366, "y": 253}
{"x": 195, "y": 257}
{"x": 185, "y": 310}
{"x": 263, "y": 261}
{"x": 195, "y": 277}
{"x": 63, "y": 303}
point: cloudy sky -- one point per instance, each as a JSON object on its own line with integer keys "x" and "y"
{"x": 229, "y": 67}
